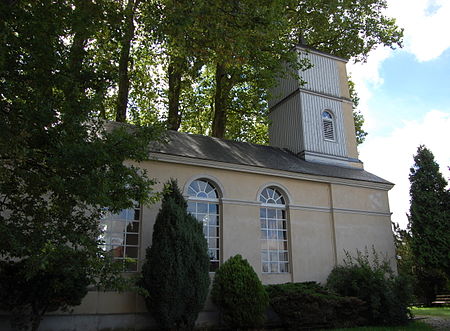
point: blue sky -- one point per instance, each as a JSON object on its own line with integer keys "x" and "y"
{"x": 410, "y": 88}
{"x": 405, "y": 97}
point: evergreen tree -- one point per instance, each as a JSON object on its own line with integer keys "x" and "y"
{"x": 429, "y": 221}
{"x": 176, "y": 271}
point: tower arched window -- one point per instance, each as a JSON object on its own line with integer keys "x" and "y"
{"x": 328, "y": 125}
{"x": 274, "y": 231}
{"x": 203, "y": 204}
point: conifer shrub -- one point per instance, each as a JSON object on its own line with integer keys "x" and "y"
{"x": 175, "y": 275}
{"x": 309, "y": 305}
{"x": 239, "y": 294}
{"x": 386, "y": 294}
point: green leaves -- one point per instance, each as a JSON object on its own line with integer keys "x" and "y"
{"x": 346, "y": 28}
{"x": 386, "y": 295}
{"x": 239, "y": 294}
{"x": 241, "y": 47}
{"x": 358, "y": 118}
{"x": 250, "y": 39}
{"x": 175, "y": 273}
{"x": 60, "y": 164}
{"x": 429, "y": 221}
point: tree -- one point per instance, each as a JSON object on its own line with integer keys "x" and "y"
{"x": 176, "y": 271}
{"x": 243, "y": 45}
{"x": 62, "y": 283}
{"x": 405, "y": 259}
{"x": 249, "y": 43}
{"x": 349, "y": 29}
{"x": 429, "y": 221}
{"x": 159, "y": 57}
{"x": 345, "y": 29}
{"x": 174, "y": 27}
{"x": 358, "y": 118}
{"x": 60, "y": 166}
{"x": 124, "y": 60}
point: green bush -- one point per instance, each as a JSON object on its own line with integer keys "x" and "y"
{"x": 387, "y": 295}
{"x": 239, "y": 294}
{"x": 309, "y": 305}
{"x": 59, "y": 283}
{"x": 176, "y": 271}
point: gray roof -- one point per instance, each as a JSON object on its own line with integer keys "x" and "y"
{"x": 227, "y": 151}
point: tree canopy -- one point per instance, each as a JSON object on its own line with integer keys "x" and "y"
{"x": 243, "y": 51}
{"x": 60, "y": 167}
{"x": 206, "y": 66}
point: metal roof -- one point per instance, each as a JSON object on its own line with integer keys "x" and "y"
{"x": 242, "y": 153}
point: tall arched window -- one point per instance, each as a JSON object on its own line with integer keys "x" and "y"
{"x": 328, "y": 125}
{"x": 203, "y": 204}
{"x": 274, "y": 235}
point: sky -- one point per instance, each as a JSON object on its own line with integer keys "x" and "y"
{"x": 405, "y": 97}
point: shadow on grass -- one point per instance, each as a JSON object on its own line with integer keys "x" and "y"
{"x": 432, "y": 311}
{"x": 413, "y": 325}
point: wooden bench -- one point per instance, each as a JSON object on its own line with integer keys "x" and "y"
{"x": 442, "y": 300}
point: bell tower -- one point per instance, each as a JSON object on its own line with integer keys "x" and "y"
{"x": 314, "y": 120}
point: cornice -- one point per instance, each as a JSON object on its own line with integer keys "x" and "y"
{"x": 304, "y": 90}
{"x": 361, "y": 212}
{"x": 238, "y": 202}
{"x": 308, "y": 49}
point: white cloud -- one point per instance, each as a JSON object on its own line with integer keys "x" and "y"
{"x": 366, "y": 77}
{"x": 391, "y": 156}
{"x": 426, "y": 24}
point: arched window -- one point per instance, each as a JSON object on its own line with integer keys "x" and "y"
{"x": 203, "y": 204}
{"x": 328, "y": 125}
{"x": 274, "y": 235}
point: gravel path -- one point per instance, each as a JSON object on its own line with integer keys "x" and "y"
{"x": 438, "y": 323}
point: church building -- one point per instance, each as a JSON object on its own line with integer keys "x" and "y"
{"x": 292, "y": 209}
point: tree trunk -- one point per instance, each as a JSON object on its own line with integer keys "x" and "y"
{"x": 124, "y": 79}
{"x": 175, "y": 71}
{"x": 224, "y": 84}
{"x": 77, "y": 53}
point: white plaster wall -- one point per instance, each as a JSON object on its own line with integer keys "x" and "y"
{"x": 312, "y": 245}
{"x": 324, "y": 220}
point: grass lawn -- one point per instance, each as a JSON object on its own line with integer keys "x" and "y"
{"x": 432, "y": 311}
{"x": 415, "y": 325}
{"x": 443, "y": 312}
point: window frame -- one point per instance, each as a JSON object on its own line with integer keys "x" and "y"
{"x": 271, "y": 216}
{"x": 327, "y": 123}
{"x": 115, "y": 219}
{"x": 215, "y": 226}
